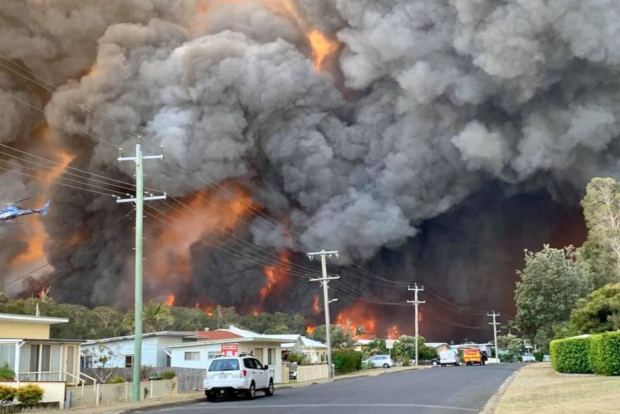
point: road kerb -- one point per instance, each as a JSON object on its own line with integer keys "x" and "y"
{"x": 491, "y": 406}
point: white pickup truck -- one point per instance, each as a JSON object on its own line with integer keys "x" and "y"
{"x": 449, "y": 358}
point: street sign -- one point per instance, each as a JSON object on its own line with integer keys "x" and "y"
{"x": 389, "y": 343}
{"x": 230, "y": 350}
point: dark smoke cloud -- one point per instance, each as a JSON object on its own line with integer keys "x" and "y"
{"x": 445, "y": 98}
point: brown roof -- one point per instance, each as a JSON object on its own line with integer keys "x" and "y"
{"x": 216, "y": 335}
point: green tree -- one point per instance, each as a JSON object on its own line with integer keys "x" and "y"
{"x": 156, "y": 317}
{"x": 599, "y": 312}
{"x": 406, "y": 346}
{"x": 191, "y": 319}
{"x": 551, "y": 283}
{"x": 109, "y": 321}
{"x": 341, "y": 337}
{"x": 601, "y": 207}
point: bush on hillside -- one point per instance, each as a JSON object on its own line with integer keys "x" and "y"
{"x": 571, "y": 355}
{"x": 6, "y": 373}
{"x": 168, "y": 375}
{"x": 29, "y": 394}
{"x": 7, "y": 394}
{"x": 346, "y": 361}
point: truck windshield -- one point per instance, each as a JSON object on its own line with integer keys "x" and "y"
{"x": 224, "y": 365}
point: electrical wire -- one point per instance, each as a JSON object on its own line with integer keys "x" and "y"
{"x": 74, "y": 250}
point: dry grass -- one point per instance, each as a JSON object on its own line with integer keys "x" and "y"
{"x": 538, "y": 389}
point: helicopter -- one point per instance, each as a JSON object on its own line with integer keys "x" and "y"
{"x": 13, "y": 211}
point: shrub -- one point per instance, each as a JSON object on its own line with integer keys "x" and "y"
{"x": 168, "y": 375}
{"x": 571, "y": 355}
{"x": 7, "y": 394}
{"x": 604, "y": 353}
{"x": 427, "y": 353}
{"x": 407, "y": 363}
{"x": 29, "y": 394}
{"x": 539, "y": 356}
{"x": 115, "y": 380}
{"x": 346, "y": 361}
{"x": 300, "y": 359}
{"x": 6, "y": 373}
{"x": 506, "y": 358}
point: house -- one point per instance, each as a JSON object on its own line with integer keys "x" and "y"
{"x": 482, "y": 347}
{"x": 26, "y": 347}
{"x": 232, "y": 341}
{"x": 119, "y": 351}
{"x": 315, "y": 351}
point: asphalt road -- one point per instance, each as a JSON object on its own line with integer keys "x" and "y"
{"x": 450, "y": 390}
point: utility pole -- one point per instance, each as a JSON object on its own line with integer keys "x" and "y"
{"x": 325, "y": 281}
{"x": 139, "y": 202}
{"x": 494, "y": 323}
{"x": 416, "y": 302}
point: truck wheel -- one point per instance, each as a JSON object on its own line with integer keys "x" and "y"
{"x": 211, "y": 397}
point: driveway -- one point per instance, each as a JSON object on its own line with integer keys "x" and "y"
{"x": 449, "y": 390}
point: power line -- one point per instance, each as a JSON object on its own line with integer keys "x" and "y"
{"x": 74, "y": 250}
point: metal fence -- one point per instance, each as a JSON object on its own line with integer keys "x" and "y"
{"x": 109, "y": 394}
{"x": 188, "y": 379}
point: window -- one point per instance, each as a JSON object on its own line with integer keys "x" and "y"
{"x": 258, "y": 364}
{"x": 271, "y": 356}
{"x": 192, "y": 356}
{"x": 224, "y": 365}
{"x": 213, "y": 354}
{"x": 248, "y": 363}
{"x": 128, "y": 361}
{"x": 7, "y": 355}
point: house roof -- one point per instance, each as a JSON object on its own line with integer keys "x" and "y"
{"x": 436, "y": 344}
{"x": 215, "y": 335}
{"x": 178, "y": 334}
{"x": 311, "y": 343}
{"x": 7, "y": 317}
{"x": 229, "y": 341}
{"x": 41, "y": 341}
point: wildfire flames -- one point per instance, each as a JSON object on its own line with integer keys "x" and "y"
{"x": 393, "y": 332}
{"x": 170, "y": 300}
{"x": 358, "y": 316}
{"x": 277, "y": 278}
{"x": 315, "y": 304}
{"x": 310, "y": 330}
{"x": 37, "y": 237}
{"x": 322, "y": 46}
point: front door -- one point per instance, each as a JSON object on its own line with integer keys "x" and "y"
{"x": 70, "y": 364}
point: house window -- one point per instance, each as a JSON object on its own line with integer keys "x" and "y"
{"x": 192, "y": 356}
{"x": 7, "y": 356}
{"x": 86, "y": 361}
{"x": 271, "y": 356}
{"x": 128, "y": 361}
{"x": 40, "y": 362}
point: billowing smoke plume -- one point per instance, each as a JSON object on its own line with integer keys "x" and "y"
{"x": 429, "y": 114}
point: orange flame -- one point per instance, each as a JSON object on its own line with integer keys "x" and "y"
{"x": 170, "y": 301}
{"x": 358, "y": 316}
{"x": 315, "y": 304}
{"x": 393, "y": 332}
{"x": 277, "y": 277}
{"x": 420, "y": 316}
{"x": 322, "y": 47}
{"x": 310, "y": 329}
{"x": 37, "y": 238}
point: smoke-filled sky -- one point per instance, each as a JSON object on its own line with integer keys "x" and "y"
{"x": 426, "y": 114}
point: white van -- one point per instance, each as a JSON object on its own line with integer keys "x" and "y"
{"x": 449, "y": 358}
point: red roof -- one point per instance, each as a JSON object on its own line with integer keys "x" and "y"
{"x": 216, "y": 335}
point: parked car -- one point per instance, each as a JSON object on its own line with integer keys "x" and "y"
{"x": 379, "y": 361}
{"x": 435, "y": 362}
{"x": 232, "y": 376}
{"x": 528, "y": 358}
{"x": 450, "y": 357}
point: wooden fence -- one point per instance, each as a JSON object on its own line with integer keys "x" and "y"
{"x": 188, "y": 379}
{"x": 110, "y": 394}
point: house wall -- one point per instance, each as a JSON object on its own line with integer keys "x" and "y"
{"x": 314, "y": 355}
{"x": 178, "y": 356}
{"x": 12, "y": 330}
{"x": 151, "y": 351}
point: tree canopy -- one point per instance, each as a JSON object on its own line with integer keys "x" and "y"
{"x": 552, "y": 282}
{"x": 599, "y": 312}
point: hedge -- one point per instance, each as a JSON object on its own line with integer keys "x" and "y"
{"x": 347, "y": 361}
{"x": 571, "y": 355}
{"x": 29, "y": 394}
{"x": 7, "y": 394}
{"x": 605, "y": 353}
{"x": 599, "y": 354}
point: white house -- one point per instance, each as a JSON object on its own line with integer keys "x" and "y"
{"x": 232, "y": 341}
{"x": 315, "y": 351}
{"x": 119, "y": 351}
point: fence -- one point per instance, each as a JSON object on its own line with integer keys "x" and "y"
{"x": 109, "y": 394}
{"x": 311, "y": 372}
{"x": 52, "y": 391}
{"x": 188, "y": 379}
